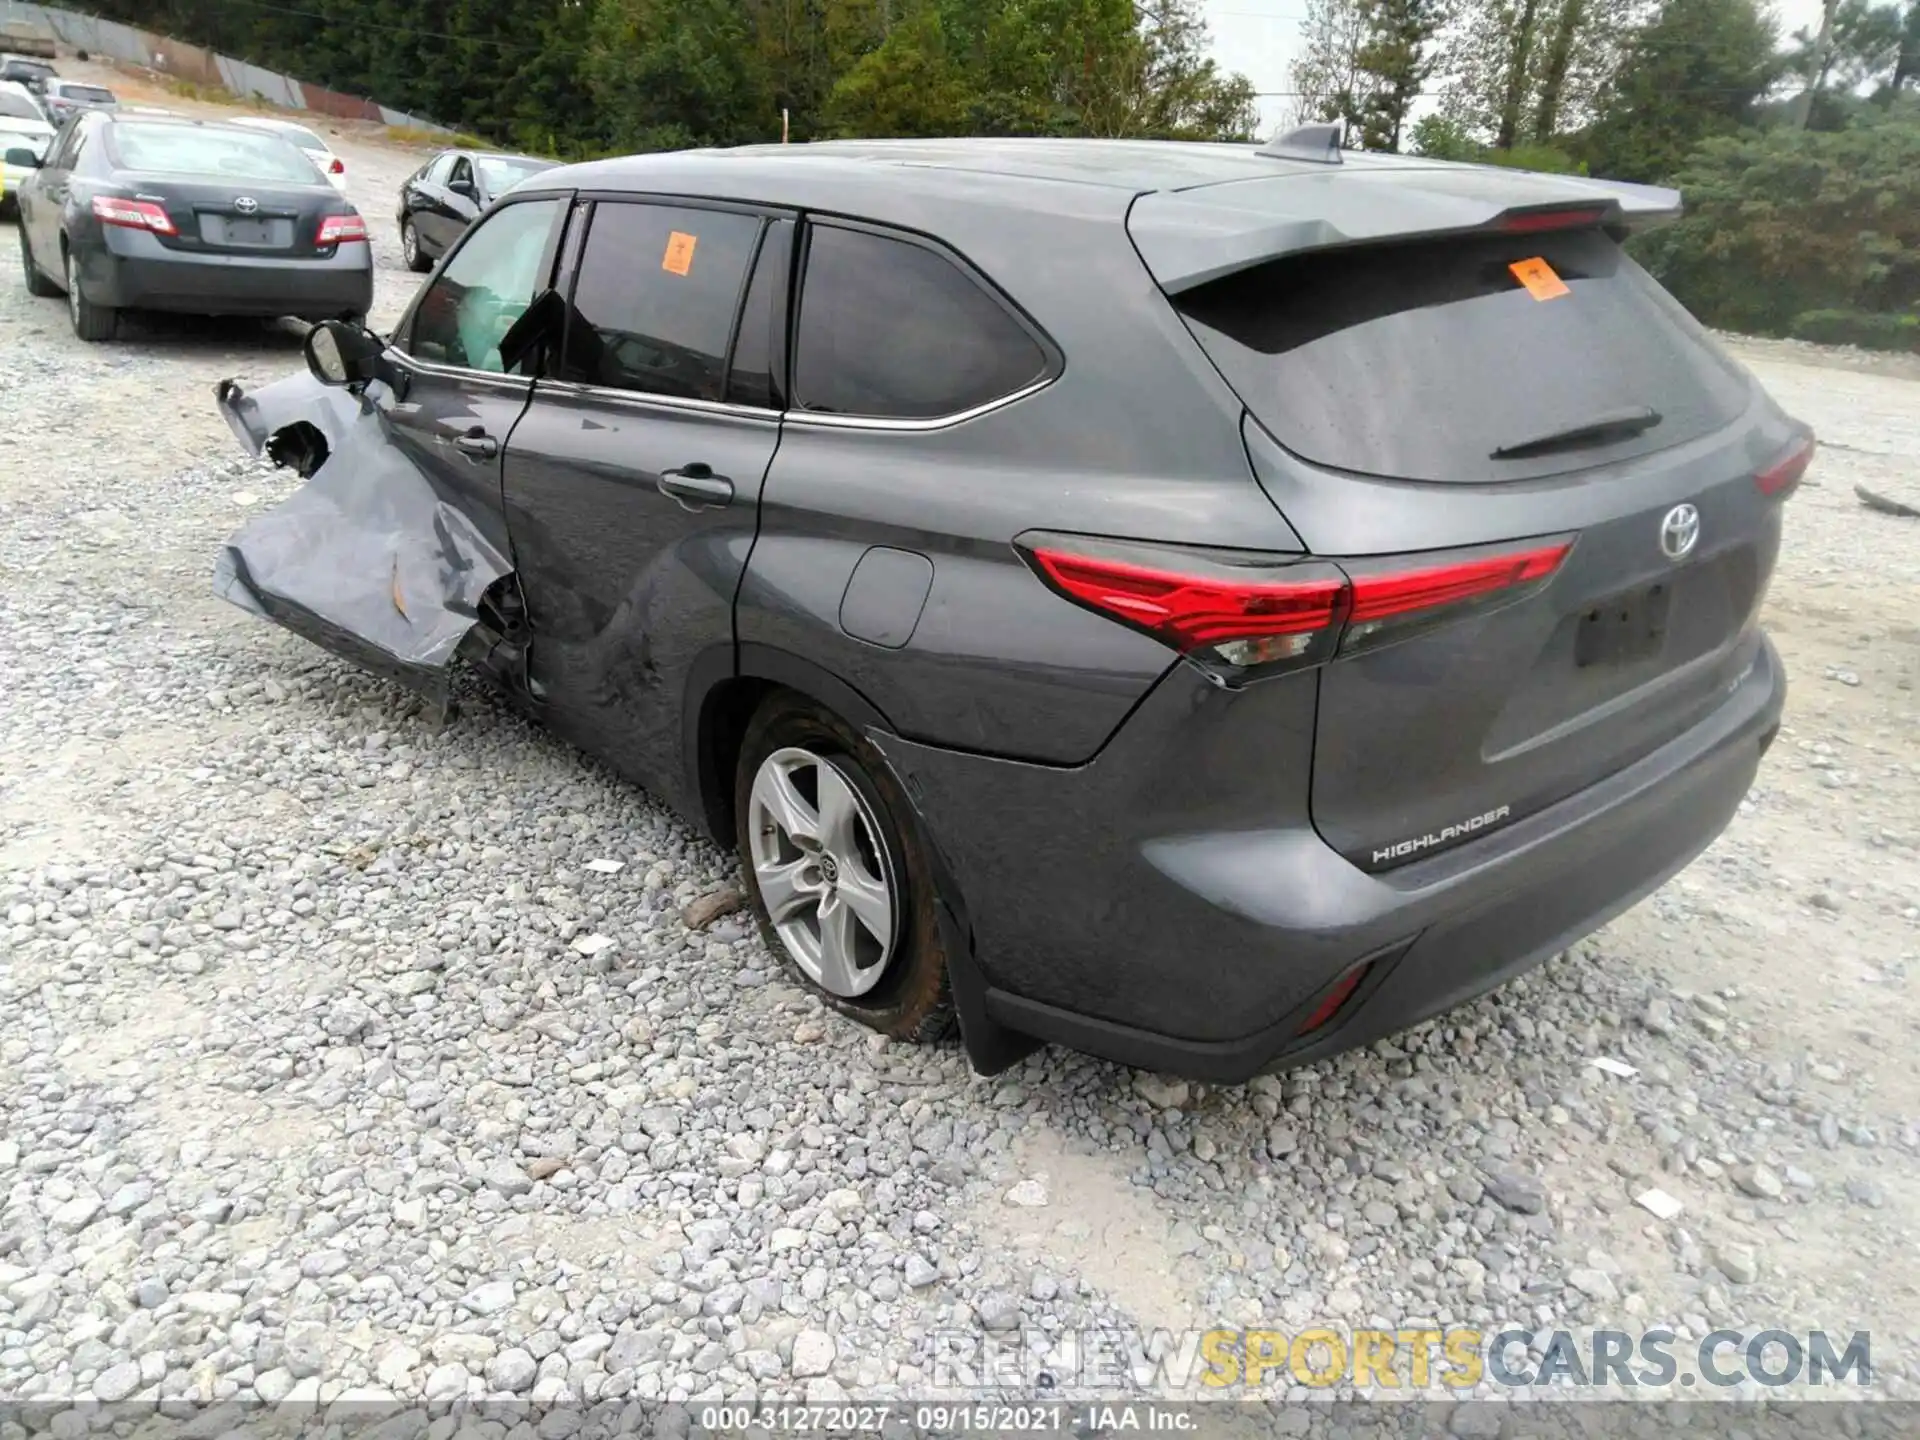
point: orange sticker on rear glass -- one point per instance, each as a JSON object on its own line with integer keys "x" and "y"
{"x": 1538, "y": 277}
{"x": 679, "y": 256}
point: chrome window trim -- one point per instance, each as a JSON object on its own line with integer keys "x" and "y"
{"x": 460, "y": 372}
{"x": 723, "y": 408}
{"x": 813, "y": 420}
{"x": 614, "y": 394}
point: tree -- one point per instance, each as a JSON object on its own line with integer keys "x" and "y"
{"x": 1397, "y": 56}
{"x": 1856, "y": 44}
{"x": 1791, "y": 231}
{"x": 1529, "y": 71}
{"x": 1692, "y": 72}
{"x": 672, "y": 73}
{"x": 1327, "y": 78}
{"x": 908, "y": 86}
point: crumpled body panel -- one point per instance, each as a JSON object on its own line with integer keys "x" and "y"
{"x": 367, "y": 558}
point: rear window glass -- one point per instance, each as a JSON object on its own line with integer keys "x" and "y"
{"x": 215, "y": 154}
{"x": 502, "y": 174}
{"x": 1419, "y": 361}
{"x": 304, "y": 138}
{"x": 92, "y": 94}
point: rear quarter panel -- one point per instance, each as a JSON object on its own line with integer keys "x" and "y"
{"x": 1137, "y": 437}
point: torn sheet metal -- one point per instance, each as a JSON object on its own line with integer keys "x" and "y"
{"x": 366, "y": 559}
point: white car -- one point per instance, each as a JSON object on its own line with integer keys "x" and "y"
{"x": 330, "y": 164}
{"x": 22, "y": 127}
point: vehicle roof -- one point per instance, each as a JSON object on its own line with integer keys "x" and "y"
{"x": 276, "y": 122}
{"x": 897, "y": 179}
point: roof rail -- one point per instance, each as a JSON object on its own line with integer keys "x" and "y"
{"x": 1318, "y": 143}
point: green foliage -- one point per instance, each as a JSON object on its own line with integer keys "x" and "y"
{"x": 577, "y": 77}
{"x": 1693, "y": 71}
{"x": 1397, "y": 56}
{"x": 1440, "y": 138}
{"x": 1787, "y": 226}
{"x": 1868, "y": 330}
{"x": 1443, "y": 139}
{"x": 1548, "y": 158}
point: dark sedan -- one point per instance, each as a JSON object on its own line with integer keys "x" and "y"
{"x": 447, "y": 194}
{"x": 186, "y": 216}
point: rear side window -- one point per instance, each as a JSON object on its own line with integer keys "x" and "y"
{"x": 654, "y": 306}
{"x": 1419, "y": 361}
{"x": 890, "y": 329}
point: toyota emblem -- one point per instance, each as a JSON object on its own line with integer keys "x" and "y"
{"x": 246, "y": 204}
{"x": 1679, "y": 532}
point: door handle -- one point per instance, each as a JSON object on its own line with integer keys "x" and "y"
{"x": 695, "y": 486}
{"x": 477, "y": 443}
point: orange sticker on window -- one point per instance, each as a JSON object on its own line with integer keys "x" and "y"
{"x": 679, "y": 256}
{"x": 1538, "y": 277}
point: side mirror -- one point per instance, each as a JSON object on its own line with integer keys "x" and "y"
{"x": 341, "y": 353}
{"x": 23, "y": 158}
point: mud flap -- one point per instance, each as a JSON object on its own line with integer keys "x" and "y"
{"x": 366, "y": 559}
{"x": 991, "y": 1047}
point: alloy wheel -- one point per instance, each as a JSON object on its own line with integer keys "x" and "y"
{"x": 410, "y": 243}
{"x": 73, "y": 290}
{"x": 823, "y": 871}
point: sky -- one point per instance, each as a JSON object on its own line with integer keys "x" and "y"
{"x": 1259, "y": 38}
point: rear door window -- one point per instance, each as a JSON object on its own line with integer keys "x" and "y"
{"x": 1419, "y": 361}
{"x": 653, "y": 309}
{"x": 891, "y": 329}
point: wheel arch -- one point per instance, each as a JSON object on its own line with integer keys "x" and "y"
{"x": 723, "y": 691}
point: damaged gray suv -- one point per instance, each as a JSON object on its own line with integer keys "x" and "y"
{"x": 1210, "y": 606}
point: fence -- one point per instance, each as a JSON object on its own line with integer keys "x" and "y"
{"x": 195, "y": 63}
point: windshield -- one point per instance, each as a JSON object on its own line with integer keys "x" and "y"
{"x": 501, "y": 174}
{"x": 17, "y": 105}
{"x": 1453, "y": 360}
{"x": 216, "y": 154}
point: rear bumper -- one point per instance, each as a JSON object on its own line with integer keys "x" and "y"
{"x": 135, "y": 271}
{"x": 1202, "y": 954}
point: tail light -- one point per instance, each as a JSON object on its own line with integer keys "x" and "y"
{"x": 1784, "y": 474}
{"x": 133, "y": 214}
{"x": 1279, "y": 610}
{"x": 338, "y": 167}
{"x": 338, "y": 229}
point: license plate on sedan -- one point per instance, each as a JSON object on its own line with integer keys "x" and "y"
{"x": 1626, "y": 628}
{"x": 240, "y": 230}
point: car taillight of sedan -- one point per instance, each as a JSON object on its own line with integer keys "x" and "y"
{"x": 339, "y": 229}
{"x": 132, "y": 214}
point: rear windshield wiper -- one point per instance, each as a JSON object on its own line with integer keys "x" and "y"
{"x": 1614, "y": 425}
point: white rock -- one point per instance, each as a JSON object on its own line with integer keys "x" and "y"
{"x": 813, "y": 1352}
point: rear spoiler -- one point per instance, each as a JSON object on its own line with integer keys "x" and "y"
{"x": 1189, "y": 237}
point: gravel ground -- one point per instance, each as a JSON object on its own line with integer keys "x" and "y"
{"x": 345, "y": 1056}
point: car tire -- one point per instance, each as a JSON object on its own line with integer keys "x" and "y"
{"x": 896, "y": 983}
{"x": 410, "y": 247}
{"x": 90, "y": 321}
{"x": 37, "y": 283}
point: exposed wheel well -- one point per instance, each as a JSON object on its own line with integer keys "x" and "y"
{"x": 723, "y": 725}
